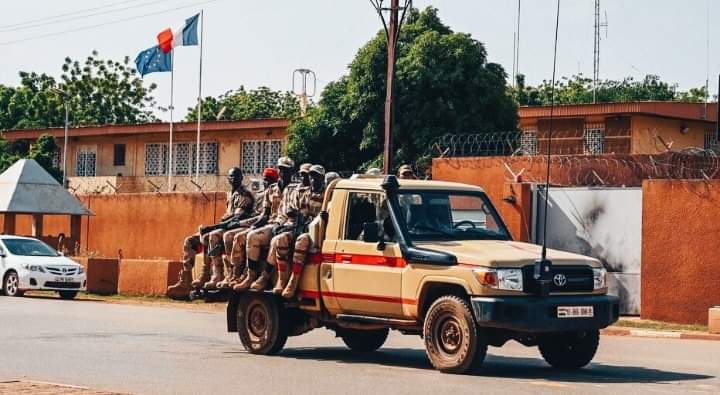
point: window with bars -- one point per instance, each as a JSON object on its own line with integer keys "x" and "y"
{"x": 184, "y": 158}
{"x": 85, "y": 162}
{"x": 259, "y": 154}
{"x": 529, "y": 142}
{"x": 593, "y": 140}
{"x": 711, "y": 140}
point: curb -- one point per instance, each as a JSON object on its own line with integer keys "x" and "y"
{"x": 614, "y": 331}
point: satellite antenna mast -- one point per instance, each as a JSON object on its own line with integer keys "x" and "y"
{"x": 596, "y": 48}
{"x": 516, "y": 48}
{"x": 302, "y": 91}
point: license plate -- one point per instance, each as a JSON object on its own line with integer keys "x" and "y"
{"x": 63, "y": 279}
{"x": 575, "y": 311}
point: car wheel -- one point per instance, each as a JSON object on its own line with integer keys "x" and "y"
{"x": 11, "y": 284}
{"x": 261, "y": 324}
{"x": 453, "y": 341}
{"x": 363, "y": 341}
{"x": 68, "y": 295}
{"x": 571, "y": 350}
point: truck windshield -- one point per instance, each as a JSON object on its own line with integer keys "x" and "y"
{"x": 26, "y": 247}
{"x": 449, "y": 215}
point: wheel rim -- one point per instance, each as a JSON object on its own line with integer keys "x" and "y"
{"x": 449, "y": 335}
{"x": 257, "y": 320}
{"x": 11, "y": 284}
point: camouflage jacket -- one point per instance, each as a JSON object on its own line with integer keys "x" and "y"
{"x": 280, "y": 202}
{"x": 239, "y": 202}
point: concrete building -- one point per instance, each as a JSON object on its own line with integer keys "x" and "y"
{"x": 134, "y": 158}
{"x": 621, "y": 128}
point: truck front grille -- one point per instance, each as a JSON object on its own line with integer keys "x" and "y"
{"x": 578, "y": 278}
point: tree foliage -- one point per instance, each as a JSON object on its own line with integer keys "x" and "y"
{"x": 444, "y": 84}
{"x": 42, "y": 151}
{"x": 98, "y": 92}
{"x": 262, "y": 102}
{"x": 578, "y": 89}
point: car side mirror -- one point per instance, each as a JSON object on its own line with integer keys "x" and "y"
{"x": 371, "y": 232}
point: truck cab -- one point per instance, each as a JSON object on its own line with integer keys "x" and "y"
{"x": 433, "y": 259}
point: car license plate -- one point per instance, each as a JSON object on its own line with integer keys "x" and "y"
{"x": 63, "y": 279}
{"x": 575, "y": 311}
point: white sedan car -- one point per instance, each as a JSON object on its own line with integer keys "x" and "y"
{"x": 29, "y": 264}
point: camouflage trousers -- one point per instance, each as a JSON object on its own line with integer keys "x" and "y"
{"x": 228, "y": 238}
{"x": 259, "y": 239}
{"x": 191, "y": 247}
{"x": 282, "y": 243}
{"x": 235, "y": 244}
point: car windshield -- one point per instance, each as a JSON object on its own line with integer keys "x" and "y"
{"x": 449, "y": 215}
{"x": 27, "y": 247}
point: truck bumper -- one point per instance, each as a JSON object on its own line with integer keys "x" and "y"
{"x": 536, "y": 314}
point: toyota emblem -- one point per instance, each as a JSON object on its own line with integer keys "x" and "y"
{"x": 560, "y": 280}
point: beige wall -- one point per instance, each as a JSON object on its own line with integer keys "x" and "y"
{"x": 645, "y": 129}
{"x": 229, "y": 155}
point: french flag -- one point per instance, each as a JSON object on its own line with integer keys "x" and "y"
{"x": 186, "y": 35}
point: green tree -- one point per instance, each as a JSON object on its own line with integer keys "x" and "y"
{"x": 578, "y": 89}
{"x": 42, "y": 151}
{"x": 262, "y": 102}
{"x": 444, "y": 84}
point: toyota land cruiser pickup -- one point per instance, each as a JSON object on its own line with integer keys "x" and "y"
{"x": 432, "y": 259}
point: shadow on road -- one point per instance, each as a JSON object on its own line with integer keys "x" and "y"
{"x": 500, "y": 366}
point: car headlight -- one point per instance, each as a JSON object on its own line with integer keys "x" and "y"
{"x": 81, "y": 270}
{"x": 33, "y": 268}
{"x": 599, "y": 278}
{"x": 506, "y": 279}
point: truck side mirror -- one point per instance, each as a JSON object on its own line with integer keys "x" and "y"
{"x": 371, "y": 232}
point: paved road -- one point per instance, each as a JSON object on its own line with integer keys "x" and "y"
{"x": 162, "y": 350}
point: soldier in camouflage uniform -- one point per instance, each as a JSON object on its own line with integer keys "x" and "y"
{"x": 309, "y": 202}
{"x": 234, "y": 239}
{"x": 304, "y": 172}
{"x": 192, "y": 245}
{"x": 276, "y": 206}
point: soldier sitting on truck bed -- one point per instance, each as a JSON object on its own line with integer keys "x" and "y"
{"x": 276, "y": 205}
{"x": 234, "y": 239}
{"x": 309, "y": 203}
{"x": 236, "y": 203}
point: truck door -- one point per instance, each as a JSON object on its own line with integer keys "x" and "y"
{"x": 367, "y": 280}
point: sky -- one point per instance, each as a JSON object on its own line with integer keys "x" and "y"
{"x": 260, "y": 43}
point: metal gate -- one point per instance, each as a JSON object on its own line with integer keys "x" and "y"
{"x": 605, "y": 223}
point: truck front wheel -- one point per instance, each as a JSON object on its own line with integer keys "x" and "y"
{"x": 363, "y": 341}
{"x": 453, "y": 341}
{"x": 261, "y": 324}
{"x": 571, "y": 350}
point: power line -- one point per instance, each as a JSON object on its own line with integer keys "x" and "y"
{"x": 62, "y": 20}
{"x": 68, "y": 13}
{"x": 104, "y": 24}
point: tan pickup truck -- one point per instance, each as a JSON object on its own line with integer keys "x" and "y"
{"x": 433, "y": 259}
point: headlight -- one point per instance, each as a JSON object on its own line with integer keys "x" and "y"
{"x": 599, "y": 278}
{"x": 32, "y": 268}
{"x": 506, "y": 279}
{"x": 81, "y": 270}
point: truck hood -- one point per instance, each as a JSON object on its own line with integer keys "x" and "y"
{"x": 496, "y": 253}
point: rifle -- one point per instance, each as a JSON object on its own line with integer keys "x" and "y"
{"x": 231, "y": 223}
{"x": 297, "y": 230}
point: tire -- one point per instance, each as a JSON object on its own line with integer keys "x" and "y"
{"x": 11, "y": 283}
{"x": 68, "y": 295}
{"x": 364, "y": 341}
{"x": 261, "y": 324}
{"x": 453, "y": 341}
{"x": 571, "y": 350}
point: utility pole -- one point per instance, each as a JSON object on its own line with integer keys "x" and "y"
{"x": 392, "y": 30}
{"x": 66, "y": 104}
{"x": 302, "y": 93}
{"x": 596, "y": 48}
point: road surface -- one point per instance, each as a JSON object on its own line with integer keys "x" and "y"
{"x": 145, "y": 349}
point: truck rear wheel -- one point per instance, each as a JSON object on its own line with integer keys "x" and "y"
{"x": 571, "y": 350}
{"x": 261, "y": 324}
{"x": 363, "y": 341}
{"x": 453, "y": 341}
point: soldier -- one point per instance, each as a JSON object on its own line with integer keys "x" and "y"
{"x": 276, "y": 206}
{"x": 405, "y": 173}
{"x": 304, "y": 172}
{"x": 196, "y": 243}
{"x": 309, "y": 203}
{"x": 234, "y": 239}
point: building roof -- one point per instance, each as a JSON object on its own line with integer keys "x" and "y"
{"x": 144, "y": 128}
{"x": 677, "y": 110}
{"x": 26, "y": 188}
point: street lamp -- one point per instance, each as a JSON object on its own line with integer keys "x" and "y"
{"x": 65, "y": 97}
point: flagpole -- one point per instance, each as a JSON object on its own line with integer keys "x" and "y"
{"x": 170, "y": 150}
{"x": 199, "y": 108}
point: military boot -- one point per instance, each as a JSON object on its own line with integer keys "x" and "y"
{"x": 218, "y": 274}
{"x": 262, "y": 281}
{"x": 181, "y": 289}
{"x": 237, "y": 273}
{"x": 204, "y": 276}
{"x": 282, "y": 279}
{"x": 292, "y": 285}
{"x": 249, "y": 278}
{"x": 230, "y": 276}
